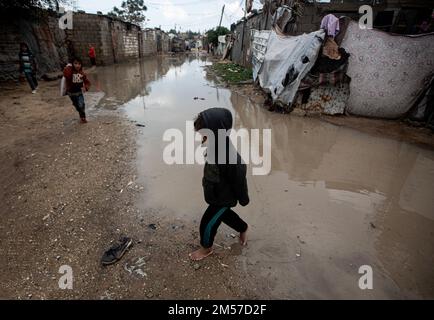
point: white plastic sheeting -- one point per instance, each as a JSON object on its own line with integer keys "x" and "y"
{"x": 287, "y": 61}
{"x": 222, "y": 39}
{"x": 221, "y": 45}
{"x": 259, "y": 48}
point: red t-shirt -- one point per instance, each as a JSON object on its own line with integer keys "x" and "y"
{"x": 92, "y": 53}
{"x": 75, "y": 80}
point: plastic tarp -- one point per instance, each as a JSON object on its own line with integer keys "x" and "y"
{"x": 284, "y": 20}
{"x": 287, "y": 61}
{"x": 222, "y": 39}
{"x": 221, "y": 45}
{"x": 423, "y": 110}
{"x": 259, "y": 48}
{"x": 388, "y": 72}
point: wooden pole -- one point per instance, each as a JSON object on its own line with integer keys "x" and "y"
{"x": 221, "y": 17}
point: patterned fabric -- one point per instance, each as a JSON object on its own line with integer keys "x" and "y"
{"x": 388, "y": 72}
{"x": 327, "y": 99}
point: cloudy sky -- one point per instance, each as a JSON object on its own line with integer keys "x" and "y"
{"x": 186, "y": 14}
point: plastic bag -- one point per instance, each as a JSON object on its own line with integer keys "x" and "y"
{"x": 63, "y": 87}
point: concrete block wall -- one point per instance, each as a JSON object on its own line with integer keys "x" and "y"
{"x": 45, "y": 41}
{"x": 149, "y": 43}
{"x": 86, "y": 30}
{"x": 105, "y": 52}
{"x": 241, "y": 49}
{"x": 114, "y": 41}
{"x": 165, "y": 43}
{"x": 125, "y": 40}
{"x": 131, "y": 48}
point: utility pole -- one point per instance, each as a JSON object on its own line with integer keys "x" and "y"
{"x": 74, "y": 5}
{"x": 221, "y": 18}
{"x": 242, "y": 38}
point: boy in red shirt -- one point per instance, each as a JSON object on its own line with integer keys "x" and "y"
{"x": 76, "y": 84}
{"x": 92, "y": 55}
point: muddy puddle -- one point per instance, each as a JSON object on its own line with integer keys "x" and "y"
{"x": 336, "y": 198}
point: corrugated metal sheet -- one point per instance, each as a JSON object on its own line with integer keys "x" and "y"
{"x": 259, "y": 48}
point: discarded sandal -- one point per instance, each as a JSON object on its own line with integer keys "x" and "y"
{"x": 116, "y": 252}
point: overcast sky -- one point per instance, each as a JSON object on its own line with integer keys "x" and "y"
{"x": 192, "y": 15}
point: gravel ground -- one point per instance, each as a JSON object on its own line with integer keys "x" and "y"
{"x": 69, "y": 190}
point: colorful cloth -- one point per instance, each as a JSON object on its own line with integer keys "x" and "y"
{"x": 330, "y": 23}
{"x": 331, "y": 49}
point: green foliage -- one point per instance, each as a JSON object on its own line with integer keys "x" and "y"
{"x": 191, "y": 34}
{"x": 232, "y": 73}
{"x": 213, "y": 34}
{"x": 29, "y": 9}
{"x": 131, "y": 11}
{"x": 31, "y": 4}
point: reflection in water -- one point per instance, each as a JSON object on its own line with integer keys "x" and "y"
{"x": 124, "y": 82}
{"x": 336, "y": 198}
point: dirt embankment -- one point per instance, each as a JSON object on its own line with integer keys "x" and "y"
{"x": 68, "y": 191}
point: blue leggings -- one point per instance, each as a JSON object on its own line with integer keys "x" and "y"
{"x": 211, "y": 220}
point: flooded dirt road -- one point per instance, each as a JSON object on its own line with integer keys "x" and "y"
{"x": 335, "y": 200}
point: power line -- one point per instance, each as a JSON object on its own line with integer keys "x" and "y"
{"x": 178, "y": 4}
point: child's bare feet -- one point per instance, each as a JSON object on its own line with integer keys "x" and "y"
{"x": 243, "y": 238}
{"x": 200, "y": 254}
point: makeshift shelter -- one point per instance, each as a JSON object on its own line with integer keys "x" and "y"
{"x": 372, "y": 73}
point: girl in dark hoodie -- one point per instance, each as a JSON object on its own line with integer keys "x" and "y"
{"x": 224, "y": 184}
{"x": 76, "y": 84}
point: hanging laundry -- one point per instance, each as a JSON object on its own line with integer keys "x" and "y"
{"x": 331, "y": 49}
{"x": 330, "y": 23}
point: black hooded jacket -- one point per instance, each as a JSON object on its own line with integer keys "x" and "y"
{"x": 224, "y": 185}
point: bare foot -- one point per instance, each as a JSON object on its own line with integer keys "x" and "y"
{"x": 200, "y": 254}
{"x": 243, "y": 238}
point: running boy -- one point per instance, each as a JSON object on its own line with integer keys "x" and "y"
{"x": 76, "y": 84}
{"x": 28, "y": 66}
{"x": 224, "y": 184}
{"x": 92, "y": 55}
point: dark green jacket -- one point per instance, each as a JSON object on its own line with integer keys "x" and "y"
{"x": 224, "y": 185}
